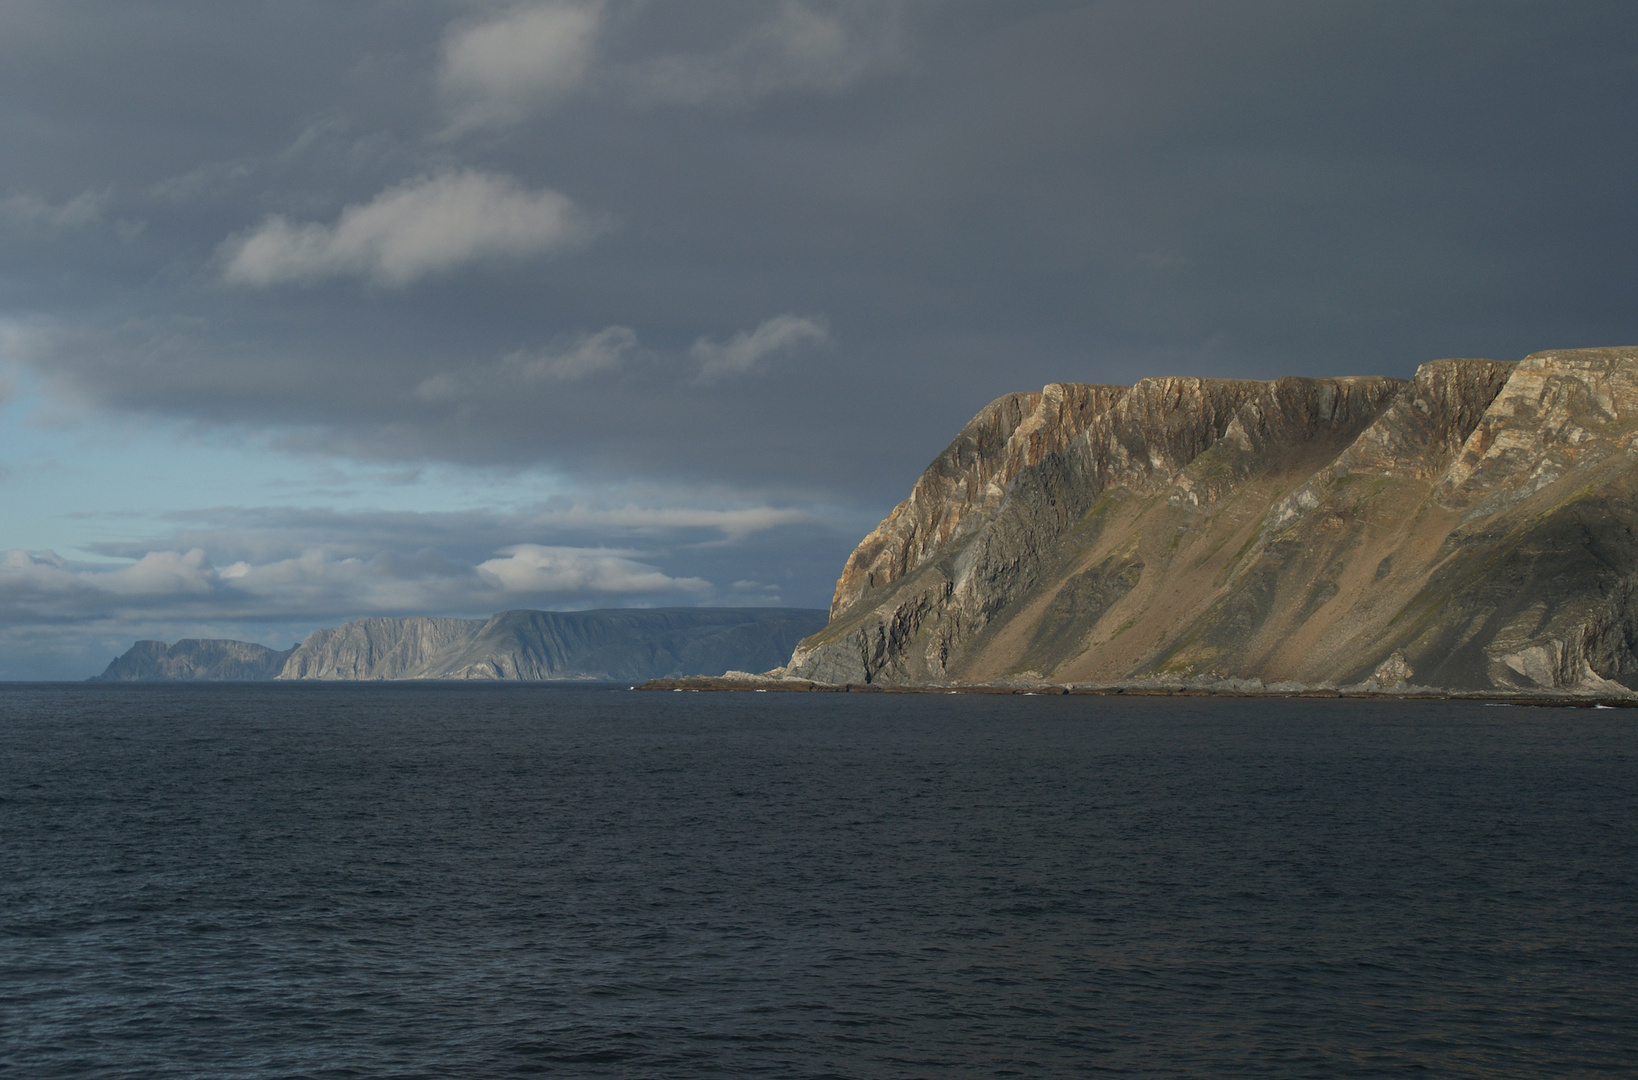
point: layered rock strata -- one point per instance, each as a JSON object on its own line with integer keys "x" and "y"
{"x": 1468, "y": 530}
{"x": 378, "y": 648}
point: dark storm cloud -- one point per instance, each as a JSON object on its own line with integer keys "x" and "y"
{"x": 960, "y": 199}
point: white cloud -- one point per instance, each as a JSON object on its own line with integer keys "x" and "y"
{"x": 162, "y": 573}
{"x": 317, "y": 580}
{"x": 318, "y": 583}
{"x": 798, "y": 49}
{"x": 423, "y": 226}
{"x": 589, "y": 354}
{"x": 440, "y": 387}
{"x": 534, "y": 568}
{"x": 82, "y": 209}
{"x": 750, "y": 350}
{"x": 158, "y": 574}
{"x": 500, "y": 72}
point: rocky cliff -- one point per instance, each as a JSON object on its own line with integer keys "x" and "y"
{"x": 612, "y": 644}
{"x": 378, "y": 648}
{"x": 195, "y": 660}
{"x": 1470, "y": 529}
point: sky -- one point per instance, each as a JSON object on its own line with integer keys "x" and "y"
{"x": 312, "y": 311}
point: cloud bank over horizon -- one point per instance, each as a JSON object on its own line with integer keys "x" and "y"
{"x": 276, "y": 575}
{"x": 269, "y": 278}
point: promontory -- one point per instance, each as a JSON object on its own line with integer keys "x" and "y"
{"x": 1470, "y": 530}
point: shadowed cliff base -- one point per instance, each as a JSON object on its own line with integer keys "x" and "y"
{"x": 744, "y": 681}
{"x": 1469, "y": 531}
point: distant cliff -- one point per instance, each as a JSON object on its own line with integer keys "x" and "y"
{"x": 1471, "y": 529}
{"x": 378, "y": 648}
{"x": 610, "y": 644}
{"x": 195, "y": 660}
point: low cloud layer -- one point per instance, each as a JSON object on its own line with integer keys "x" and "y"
{"x": 43, "y": 587}
{"x": 752, "y": 350}
{"x": 424, "y": 226}
{"x": 501, "y": 72}
{"x": 607, "y": 350}
{"x": 82, "y": 209}
{"x": 796, "y": 48}
{"x": 534, "y": 569}
{"x": 274, "y": 575}
{"x": 86, "y": 611}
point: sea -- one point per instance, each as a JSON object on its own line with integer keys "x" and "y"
{"x": 427, "y": 880}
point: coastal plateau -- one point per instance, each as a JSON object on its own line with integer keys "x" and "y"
{"x": 618, "y": 644}
{"x": 1470, "y": 530}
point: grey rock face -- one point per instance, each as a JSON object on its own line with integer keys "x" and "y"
{"x": 378, "y": 648}
{"x": 612, "y": 644}
{"x": 195, "y": 660}
{"x": 1474, "y": 526}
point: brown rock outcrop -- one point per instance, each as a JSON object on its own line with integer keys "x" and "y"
{"x": 1472, "y": 526}
{"x": 1009, "y": 434}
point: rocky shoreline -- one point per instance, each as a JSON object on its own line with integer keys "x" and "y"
{"x": 743, "y": 682}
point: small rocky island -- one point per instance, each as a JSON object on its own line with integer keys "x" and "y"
{"x": 616, "y": 644}
{"x": 1470, "y": 531}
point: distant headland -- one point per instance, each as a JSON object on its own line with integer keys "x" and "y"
{"x": 615, "y": 644}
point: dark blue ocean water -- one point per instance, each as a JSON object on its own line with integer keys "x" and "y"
{"x": 435, "y": 881}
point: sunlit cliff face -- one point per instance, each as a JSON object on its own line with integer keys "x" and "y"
{"x": 1471, "y": 529}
